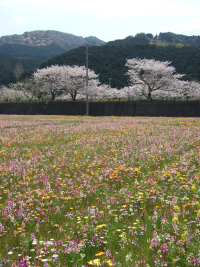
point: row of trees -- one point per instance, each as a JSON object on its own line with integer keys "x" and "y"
{"x": 148, "y": 78}
{"x": 109, "y": 60}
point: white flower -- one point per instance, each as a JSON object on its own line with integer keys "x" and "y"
{"x": 129, "y": 257}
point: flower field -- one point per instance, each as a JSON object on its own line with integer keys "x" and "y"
{"x": 99, "y": 191}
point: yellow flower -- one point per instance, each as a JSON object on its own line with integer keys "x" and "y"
{"x": 175, "y": 220}
{"x": 193, "y": 188}
{"x": 95, "y": 262}
{"x": 109, "y": 262}
{"x": 176, "y": 208}
{"x": 100, "y": 226}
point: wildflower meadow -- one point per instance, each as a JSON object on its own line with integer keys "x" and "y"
{"x": 99, "y": 191}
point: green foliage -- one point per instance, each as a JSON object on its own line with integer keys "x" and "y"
{"x": 40, "y": 53}
{"x": 106, "y": 60}
{"x": 109, "y": 60}
{"x": 8, "y": 64}
{"x": 28, "y": 56}
{"x": 170, "y": 37}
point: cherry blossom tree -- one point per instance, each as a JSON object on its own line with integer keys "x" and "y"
{"x": 49, "y": 80}
{"x": 31, "y": 89}
{"x": 193, "y": 90}
{"x": 103, "y": 92}
{"x": 74, "y": 81}
{"x": 129, "y": 92}
{"x": 150, "y": 77}
{"x": 57, "y": 80}
{"x": 10, "y": 94}
{"x": 28, "y": 87}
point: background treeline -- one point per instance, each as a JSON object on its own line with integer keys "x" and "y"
{"x": 29, "y": 56}
{"x": 40, "y": 53}
{"x": 172, "y": 38}
{"x": 109, "y": 60}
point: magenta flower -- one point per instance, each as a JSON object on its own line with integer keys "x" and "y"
{"x": 164, "y": 248}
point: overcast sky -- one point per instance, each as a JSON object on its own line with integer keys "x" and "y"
{"x": 106, "y": 19}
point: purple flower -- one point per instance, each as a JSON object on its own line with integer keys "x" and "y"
{"x": 164, "y": 249}
{"x": 108, "y": 254}
{"x": 1, "y": 228}
{"x": 32, "y": 237}
{"x": 153, "y": 243}
{"x": 196, "y": 262}
{"x": 54, "y": 244}
{"x": 60, "y": 242}
{"x": 4, "y": 214}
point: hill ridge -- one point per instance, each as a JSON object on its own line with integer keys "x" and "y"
{"x": 44, "y": 38}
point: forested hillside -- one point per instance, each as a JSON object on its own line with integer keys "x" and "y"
{"x": 32, "y": 48}
{"x": 171, "y": 38}
{"x": 40, "y": 53}
{"x": 30, "y": 57}
{"x": 163, "y": 39}
{"x": 109, "y": 60}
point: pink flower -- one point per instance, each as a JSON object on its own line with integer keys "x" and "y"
{"x": 164, "y": 248}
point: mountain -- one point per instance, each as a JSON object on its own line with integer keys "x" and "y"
{"x": 163, "y": 39}
{"x": 32, "y": 48}
{"x": 44, "y": 38}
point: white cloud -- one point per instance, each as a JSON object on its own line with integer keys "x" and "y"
{"x": 18, "y": 20}
{"x": 187, "y": 28}
{"x": 127, "y": 8}
{"x": 113, "y": 8}
{"x": 147, "y": 8}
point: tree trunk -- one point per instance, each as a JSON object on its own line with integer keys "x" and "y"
{"x": 149, "y": 95}
{"x": 53, "y": 96}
